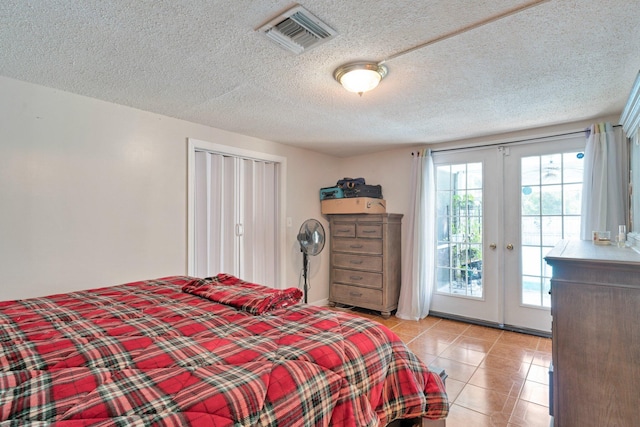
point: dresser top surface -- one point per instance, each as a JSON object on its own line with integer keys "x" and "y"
{"x": 586, "y": 251}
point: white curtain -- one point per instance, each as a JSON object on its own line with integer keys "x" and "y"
{"x": 605, "y": 200}
{"x": 418, "y": 266}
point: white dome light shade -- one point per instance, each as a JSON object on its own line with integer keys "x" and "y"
{"x": 360, "y": 77}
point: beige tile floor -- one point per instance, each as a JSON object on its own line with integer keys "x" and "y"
{"x": 495, "y": 378}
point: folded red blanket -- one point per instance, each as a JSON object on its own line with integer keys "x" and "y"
{"x": 250, "y": 297}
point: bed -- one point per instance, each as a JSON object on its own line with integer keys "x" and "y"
{"x": 182, "y": 351}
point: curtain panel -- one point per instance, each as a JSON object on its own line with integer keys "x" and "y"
{"x": 419, "y": 258}
{"x": 605, "y": 191}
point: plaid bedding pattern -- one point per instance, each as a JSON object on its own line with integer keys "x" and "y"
{"x": 148, "y": 354}
{"x": 250, "y": 297}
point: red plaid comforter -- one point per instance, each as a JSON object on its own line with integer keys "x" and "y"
{"x": 145, "y": 353}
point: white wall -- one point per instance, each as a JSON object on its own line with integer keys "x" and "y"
{"x": 95, "y": 194}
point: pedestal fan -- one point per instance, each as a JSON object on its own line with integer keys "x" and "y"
{"x": 311, "y": 239}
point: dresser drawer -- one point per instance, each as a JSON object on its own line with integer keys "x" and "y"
{"x": 361, "y": 278}
{"x": 359, "y": 262}
{"x": 369, "y": 231}
{"x": 361, "y": 246}
{"x": 343, "y": 229}
{"x": 359, "y": 218}
{"x": 354, "y": 295}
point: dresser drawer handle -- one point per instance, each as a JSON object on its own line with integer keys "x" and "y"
{"x": 355, "y": 277}
{"x": 356, "y": 246}
{"x": 344, "y": 230}
{"x": 369, "y": 231}
{"x": 356, "y": 261}
{"x": 355, "y": 294}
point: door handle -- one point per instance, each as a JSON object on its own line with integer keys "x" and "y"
{"x": 493, "y": 246}
{"x": 510, "y": 246}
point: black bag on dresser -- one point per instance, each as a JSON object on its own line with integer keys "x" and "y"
{"x": 363, "y": 190}
{"x": 346, "y": 183}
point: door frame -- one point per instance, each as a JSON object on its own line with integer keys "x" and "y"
{"x": 499, "y": 236}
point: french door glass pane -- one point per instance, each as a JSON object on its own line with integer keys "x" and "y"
{"x": 551, "y": 187}
{"x": 459, "y": 229}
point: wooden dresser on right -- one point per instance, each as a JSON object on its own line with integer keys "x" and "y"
{"x": 595, "y": 304}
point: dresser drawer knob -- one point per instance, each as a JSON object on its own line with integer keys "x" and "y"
{"x": 355, "y": 277}
{"x": 355, "y": 246}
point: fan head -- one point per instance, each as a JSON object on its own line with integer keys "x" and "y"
{"x": 311, "y": 237}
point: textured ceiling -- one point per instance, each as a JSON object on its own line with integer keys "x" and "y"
{"x": 202, "y": 61}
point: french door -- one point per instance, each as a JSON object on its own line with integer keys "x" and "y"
{"x": 467, "y": 188}
{"x": 499, "y": 211}
{"x": 543, "y": 202}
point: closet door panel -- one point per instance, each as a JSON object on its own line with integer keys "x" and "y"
{"x": 259, "y": 217}
{"x": 236, "y": 217}
{"x": 215, "y": 211}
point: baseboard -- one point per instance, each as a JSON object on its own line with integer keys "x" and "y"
{"x": 494, "y": 325}
{"x": 320, "y": 303}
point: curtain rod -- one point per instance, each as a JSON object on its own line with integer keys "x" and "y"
{"x": 518, "y": 141}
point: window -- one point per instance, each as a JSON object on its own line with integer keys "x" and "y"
{"x": 551, "y": 187}
{"x": 459, "y": 229}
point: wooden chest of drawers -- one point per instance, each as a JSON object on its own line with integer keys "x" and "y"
{"x": 595, "y": 302}
{"x": 366, "y": 261}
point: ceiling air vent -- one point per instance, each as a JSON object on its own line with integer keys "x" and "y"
{"x": 297, "y": 30}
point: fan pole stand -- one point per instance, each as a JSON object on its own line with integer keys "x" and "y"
{"x": 305, "y": 267}
{"x": 311, "y": 239}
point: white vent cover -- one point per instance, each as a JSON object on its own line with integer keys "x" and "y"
{"x": 297, "y": 30}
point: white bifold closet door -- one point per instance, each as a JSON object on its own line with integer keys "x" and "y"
{"x": 236, "y": 217}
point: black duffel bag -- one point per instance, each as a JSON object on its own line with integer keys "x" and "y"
{"x": 373, "y": 191}
{"x": 350, "y": 183}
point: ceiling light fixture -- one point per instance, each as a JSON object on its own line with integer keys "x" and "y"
{"x": 360, "y": 77}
